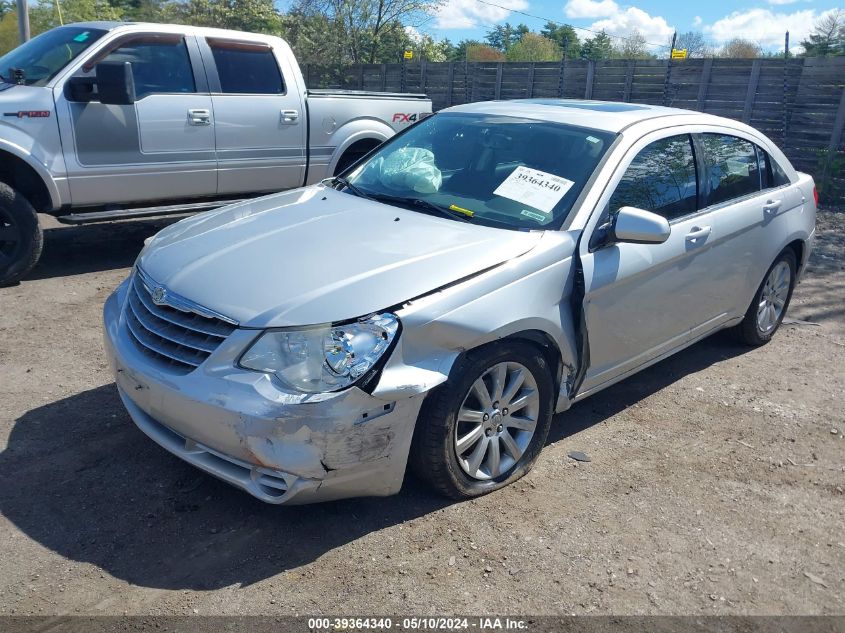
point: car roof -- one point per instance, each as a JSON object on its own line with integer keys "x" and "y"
{"x": 609, "y": 116}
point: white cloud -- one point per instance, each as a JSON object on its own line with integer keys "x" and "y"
{"x": 590, "y": 8}
{"x": 468, "y": 14}
{"x": 782, "y": 1}
{"x": 653, "y": 28}
{"x": 696, "y": 21}
{"x": 764, "y": 26}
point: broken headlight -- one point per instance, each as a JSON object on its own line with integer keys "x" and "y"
{"x": 323, "y": 358}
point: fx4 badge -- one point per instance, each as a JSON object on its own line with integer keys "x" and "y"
{"x": 29, "y": 114}
{"x": 401, "y": 117}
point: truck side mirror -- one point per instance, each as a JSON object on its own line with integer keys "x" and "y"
{"x": 112, "y": 83}
{"x": 115, "y": 84}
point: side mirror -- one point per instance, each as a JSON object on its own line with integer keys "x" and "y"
{"x": 639, "y": 226}
{"x": 115, "y": 84}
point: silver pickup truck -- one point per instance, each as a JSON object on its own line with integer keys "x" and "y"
{"x": 111, "y": 120}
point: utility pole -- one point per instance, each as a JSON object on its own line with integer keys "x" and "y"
{"x": 23, "y": 20}
{"x": 786, "y": 46}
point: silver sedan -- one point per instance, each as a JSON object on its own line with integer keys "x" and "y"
{"x": 436, "y": 304}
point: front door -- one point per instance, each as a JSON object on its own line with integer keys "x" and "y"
{"x": 159, "y": 148}
{"x": 260, "y": 118}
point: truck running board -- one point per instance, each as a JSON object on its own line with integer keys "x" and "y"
{"x": 141, "y": 212}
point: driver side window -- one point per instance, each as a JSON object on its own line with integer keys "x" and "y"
{"x": 158, "y": 65}
{"x": 661, "y": 179}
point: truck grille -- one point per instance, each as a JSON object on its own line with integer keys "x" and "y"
{"x": 180, "y": 340}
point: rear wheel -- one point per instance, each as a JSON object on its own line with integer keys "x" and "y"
{"x": 486, "y": 426}
{"x": 769, "y": 306}
{"x": 21, "y": 238}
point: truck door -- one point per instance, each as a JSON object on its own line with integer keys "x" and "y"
{"x": 159, "y": 148}
{"x": 259, "y": 117}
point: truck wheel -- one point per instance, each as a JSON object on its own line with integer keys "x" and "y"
{"x": 770, "y": 303}
{"x": 485, "y": 427}
{"x": 21, "y": 238}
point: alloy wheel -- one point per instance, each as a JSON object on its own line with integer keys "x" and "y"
{"x": 497, "y": 420}
{"x": 773, "y": 297}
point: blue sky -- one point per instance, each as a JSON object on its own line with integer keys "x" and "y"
{"x": 762, "y": 21}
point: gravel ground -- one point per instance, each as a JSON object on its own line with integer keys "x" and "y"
{"x": 715, "y": 487}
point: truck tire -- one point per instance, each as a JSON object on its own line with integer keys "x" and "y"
{"x": 485, "y": 427}
{"x": 21, "y": 237}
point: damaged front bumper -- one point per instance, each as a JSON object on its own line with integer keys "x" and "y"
{"x": 240, "y": 427}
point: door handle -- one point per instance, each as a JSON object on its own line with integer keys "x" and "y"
{"x": 698, "y": 233}
{"x": 199, "y": 116}
{"x": 771, "y": 206}
{"x": 290, "y": 117}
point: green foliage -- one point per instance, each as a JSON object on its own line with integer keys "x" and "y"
{"x": 534, "y": 48}
{"x": 830, "y": 177}
{"x": 565, "y": 37}
{"x": 827, "y": 37}
{"x": 503, "y": 36}
{"x": 633, "y": 47}
{"x": 739, "y": 48}
{"x": 597, "y": 47}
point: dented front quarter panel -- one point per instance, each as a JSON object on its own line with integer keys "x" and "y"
{"x": 529, "y": 293}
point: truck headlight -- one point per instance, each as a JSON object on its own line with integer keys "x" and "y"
{"x": 323, "y": 358}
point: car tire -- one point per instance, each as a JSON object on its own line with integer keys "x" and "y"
{"x": 770, "y": 303}
{"x": 456, "y": 410}
{"x": 21, "y": 237}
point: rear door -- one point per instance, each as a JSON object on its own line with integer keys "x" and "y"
{"x": 159, "y": 148}
{"x": 259, "y": 117}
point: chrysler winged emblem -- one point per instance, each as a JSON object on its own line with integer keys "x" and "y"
{"x": 158, "y": 295}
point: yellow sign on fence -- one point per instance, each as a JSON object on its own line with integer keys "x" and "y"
{"x": 679, "y": 53}
{"x": 409, "y": 55}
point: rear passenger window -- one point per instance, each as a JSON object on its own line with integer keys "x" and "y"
{"x": 246, "y": 68}
{"x": 731, "y": 169}
{"x": 160, "y": 64}
{"x": 660, "y": 179}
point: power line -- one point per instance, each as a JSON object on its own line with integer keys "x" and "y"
{"x": 572, "y": 26}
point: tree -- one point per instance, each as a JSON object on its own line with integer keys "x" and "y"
{"x": 739, "y": 48}
{"x": 565, "y": 37}
{"x": 483, "y": 53}
{"x": 362, "y": 24}
{"x": 8, "y": 32}
{"x": 827, "y": 37}
{"x": 51, "y": 13}
{"x": 503, "y": 36}
{"x": 695, "y": 44}
{"x": 534, "y": 48}
{"x": 633, "y": 46}
{"x": 597, "y": 47}
{"x": 459, "y": 51}
{"x": 242, "y": 15}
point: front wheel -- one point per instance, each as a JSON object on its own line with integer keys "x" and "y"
{"x": 769, "y": 306}
{"x": 21, "y": 238}
{"x": 486, "y": 426}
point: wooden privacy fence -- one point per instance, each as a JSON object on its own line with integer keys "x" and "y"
{"x": 799, "y": 102}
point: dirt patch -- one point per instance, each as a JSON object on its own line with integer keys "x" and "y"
{"x": 715, "y": 486}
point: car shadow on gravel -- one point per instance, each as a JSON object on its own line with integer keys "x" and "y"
{"x": 75, "y": 250}
{"x": 81, "y": 480}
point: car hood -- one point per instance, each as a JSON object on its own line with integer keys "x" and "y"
{"x": 316, "y": 255}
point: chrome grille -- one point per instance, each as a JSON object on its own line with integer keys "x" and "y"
{"x": 180, "y": 340}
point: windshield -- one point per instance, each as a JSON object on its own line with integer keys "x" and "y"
{"x": 42, "y": 57}
{"x": 496, "y": 170}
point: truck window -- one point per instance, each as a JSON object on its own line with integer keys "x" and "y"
{"x": 158, "y": 65}
{"x": 246, "y": 68}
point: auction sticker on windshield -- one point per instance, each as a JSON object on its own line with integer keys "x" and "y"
{"x": 535, "y": 188}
